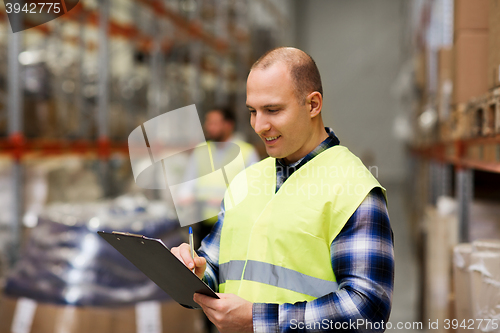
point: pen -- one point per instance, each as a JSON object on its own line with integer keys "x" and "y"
{"x": 191, "y": 244}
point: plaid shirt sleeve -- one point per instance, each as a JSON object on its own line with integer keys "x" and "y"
{"x": 209, "y": 249}
{"x": 363, "y": 262}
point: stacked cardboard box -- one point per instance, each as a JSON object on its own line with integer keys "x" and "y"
{"x": 24, "y": 315}
{"x": 463, "y": 68}
{"x": 494, "y": 44}
{"x": 470, "y": 50}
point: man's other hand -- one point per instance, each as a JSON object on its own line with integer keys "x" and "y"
{"x": 230, "y": 313}
{"x": 183, "y": 253}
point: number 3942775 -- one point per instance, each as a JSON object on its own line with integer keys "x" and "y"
{"x": 33, "y": 8}
{"x": 471, "y": 324}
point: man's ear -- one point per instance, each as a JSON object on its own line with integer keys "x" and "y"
{"x": 315, "y": 102}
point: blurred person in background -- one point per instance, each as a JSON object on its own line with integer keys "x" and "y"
{"x": 219, "y": 128}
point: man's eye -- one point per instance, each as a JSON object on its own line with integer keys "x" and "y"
{"x": 272, "y": 110}
{"x": 252, "y": 111}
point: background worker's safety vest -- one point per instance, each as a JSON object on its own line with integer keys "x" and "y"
{"x": 207, "y": 189}
{"x": 275, "y": 247}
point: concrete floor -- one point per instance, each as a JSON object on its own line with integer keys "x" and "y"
{"x": 405, "y": 298}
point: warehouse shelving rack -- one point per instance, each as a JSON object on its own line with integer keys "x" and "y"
{"x": 469, "y": 140}
{"x": 230, "y": 40}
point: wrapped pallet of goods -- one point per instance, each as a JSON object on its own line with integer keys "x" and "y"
{"x": 476, "y": 269}
{"x": 485, "y": 290}
{"x": 70, "y": 280}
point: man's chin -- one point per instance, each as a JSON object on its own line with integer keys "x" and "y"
{"x": 273, "y": 153}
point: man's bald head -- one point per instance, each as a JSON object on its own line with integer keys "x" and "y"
{"x": 303, "y": 70}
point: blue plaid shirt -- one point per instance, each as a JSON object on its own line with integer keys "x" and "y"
{"x": 362, "y": 258}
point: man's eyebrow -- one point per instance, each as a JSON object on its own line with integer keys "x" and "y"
{"x": 267, "y": 106}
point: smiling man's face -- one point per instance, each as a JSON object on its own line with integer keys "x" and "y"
{"x": 281, "y": 120}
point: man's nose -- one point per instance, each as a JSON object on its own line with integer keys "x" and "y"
{"x": 261, "y": 123}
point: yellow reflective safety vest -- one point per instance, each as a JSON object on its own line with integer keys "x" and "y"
{"x": 207, "y": 189}
{"x": 275, "y": 246}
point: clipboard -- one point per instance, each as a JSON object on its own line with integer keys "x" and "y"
{"x": 156, "y": 261}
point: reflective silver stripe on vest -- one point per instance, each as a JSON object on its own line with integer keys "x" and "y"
{"x": 276, "y": 276}
{"x": 231, "y": 270}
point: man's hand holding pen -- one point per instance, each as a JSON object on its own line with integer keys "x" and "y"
{"x": 183, "y": 253}
{"x": 230, "y": 313}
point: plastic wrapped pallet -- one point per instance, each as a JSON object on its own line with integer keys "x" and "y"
{"x": 485, "y": 290}
{"x": 461, "y": 262}
{"x": 66, "y": 262}
{"x": 70, "y": 280}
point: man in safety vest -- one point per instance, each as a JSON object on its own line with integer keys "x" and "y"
{"x": 310, "y": 247}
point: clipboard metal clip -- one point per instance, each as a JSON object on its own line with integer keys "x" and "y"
{"x": 126, "y": 234}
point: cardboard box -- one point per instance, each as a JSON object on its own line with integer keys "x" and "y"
{"x": 471, "y": 14}
{"x": 494, "y": 45}
{"x": 485, "y": 289}
{"x": 470, "y": 65}
{"x": 461, "y": 283}
{"x": 32, "y": 317}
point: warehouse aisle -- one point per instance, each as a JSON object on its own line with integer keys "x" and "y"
{"x": 405, "y": 306}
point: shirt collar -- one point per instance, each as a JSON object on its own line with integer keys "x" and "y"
{"x": 329, "y": 142}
